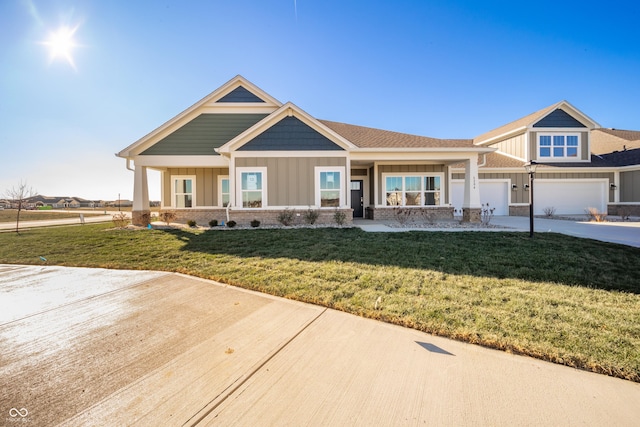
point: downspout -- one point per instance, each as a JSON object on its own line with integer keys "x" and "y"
{"x": 129, "y": 165}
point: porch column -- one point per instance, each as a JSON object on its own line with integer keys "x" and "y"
{"x": 140, "y": 214}
{"x": 471, "y": 208}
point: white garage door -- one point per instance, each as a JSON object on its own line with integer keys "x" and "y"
{"x": 570, "y": 197}
{"x": 493, "y": 192}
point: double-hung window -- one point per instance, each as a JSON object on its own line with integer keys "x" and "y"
{"x": 183, "y": 190}
{"x": 252, "y": 188}
{"x": 558, "y": 146}
{"x": 330, "y": 187}
{"x": 412, "y": 190}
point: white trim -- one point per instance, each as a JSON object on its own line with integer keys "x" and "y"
{"x": 343, "y": 184}
{"x": 177, "y": 161}
{"x": 287, "y": 110}
{"x": 563, "y": 159}
{"x": 220, "y": 200}
{"x": 443, "y": 190}
{"x": 290, "y": 154}
{"x": 194, "y": 202}
{"x": 238, "y": 188}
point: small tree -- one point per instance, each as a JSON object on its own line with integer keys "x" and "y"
{"x": 19, "y": 196}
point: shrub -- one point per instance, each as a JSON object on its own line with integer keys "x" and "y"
{"x": 231, "y": 224}
{"x": 311, "y": 216}
{"x": 167, "y": 216}
{"x": 339, "y": 217}
{"x": 255, "y": 223}
{"x": 286, "y": 217}
{"x": 120, "y": 220}
{"x": 401, "y": 214}
{"x": 486, "y": 214}
{"x": 213, "y": 223}
{"x": 595, "y": 215}
{"x": 624, "y": 212}
{"x": 549, "y": 212}
{"x": 191, "y": 223}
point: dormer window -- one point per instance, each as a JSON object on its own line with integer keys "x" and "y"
{"x": 555, "y": 146}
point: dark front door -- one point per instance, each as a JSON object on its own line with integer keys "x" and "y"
{"x": 357, "y": 198}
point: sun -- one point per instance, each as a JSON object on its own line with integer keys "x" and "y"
{"x": 61, "y": 43}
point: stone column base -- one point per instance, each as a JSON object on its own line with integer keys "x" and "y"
{"x": 471, "y": 214}
{"x": 140, "y": 218}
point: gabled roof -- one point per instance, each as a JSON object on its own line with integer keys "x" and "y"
{"x": 364, "y": 137}
{"x": 262, "y": 99}
{"x": 519, "y": 126}
{"x": 287, "y": 110}
{"x": 623, "y": 158}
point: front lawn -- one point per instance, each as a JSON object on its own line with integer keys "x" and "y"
{"x": 558, "y": 298}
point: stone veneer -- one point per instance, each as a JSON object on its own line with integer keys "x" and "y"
{"x": 266, "y": 217}
{"x": 140, "y": 218}
{"x": 471, "y": 214}
{"x": 431, "y": 213}
{"x": 627, "y": 210}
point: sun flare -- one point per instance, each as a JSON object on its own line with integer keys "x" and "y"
{"x": 61, "y": 44}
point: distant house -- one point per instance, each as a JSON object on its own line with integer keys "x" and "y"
{"x": 241, "y": 152}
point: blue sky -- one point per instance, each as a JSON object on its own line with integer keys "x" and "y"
{"x": 447, "y": 69}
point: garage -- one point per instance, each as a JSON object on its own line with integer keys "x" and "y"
{"x": 570, "y": 197}
{"x": 494, "y": 192}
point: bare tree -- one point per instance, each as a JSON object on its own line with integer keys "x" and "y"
{"x": 19, "y": 196}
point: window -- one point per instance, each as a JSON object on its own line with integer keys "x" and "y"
{"x": 183, "y": 192}
{"x": 558, "y": 146}
{"x": 223, "y": 191}
{"x": 251, "y": 191}
{"x": 412, "y": 190}
{"x": 329, "y": 187}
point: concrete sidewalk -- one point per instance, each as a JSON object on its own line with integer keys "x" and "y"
{"x": 103, "y": 347}
{"x": 625, "y": 233}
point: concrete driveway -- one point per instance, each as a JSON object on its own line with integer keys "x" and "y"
{"x": 102, "y": 347}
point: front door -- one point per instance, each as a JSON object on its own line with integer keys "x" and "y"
{"x": 357, "y": 198}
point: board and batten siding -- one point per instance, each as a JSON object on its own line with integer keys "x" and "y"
{"x": 521, "y": 179}
{"x": 513, "y": 146}
{"x": 206, "y": 184}
{"x": 203, "y": 134}
{"x": 584, "y": 144}
{"x": 291, "y": 180}
{"x": 400, "y": 169}
{"x": 629, "y": 186}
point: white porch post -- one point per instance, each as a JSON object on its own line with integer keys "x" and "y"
{"x": 471, "y": 207}
{"x": 141, "y": 210}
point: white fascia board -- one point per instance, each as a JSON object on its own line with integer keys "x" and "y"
{"x": 414, "y": 157}
{"x": 233, "y": 108}
{"x": 577, "y": 114}
{"x": 287, "y": 110}
{"x": 193, "y": 111}
{"x": 181, "y": 161}
{"x": 503, "y": 136}
{"x": 296, "y": 154}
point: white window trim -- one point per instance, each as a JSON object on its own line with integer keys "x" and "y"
{"x": 193, "y": 190}
{"x": 564, "y": 158}
{"x": 343, "y": 180}
{"x": 406, "y": 174}
{"x": 239, "y": 172}
{"x": 220, "y": 178}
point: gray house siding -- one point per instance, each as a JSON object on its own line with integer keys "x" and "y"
{"x": 520, "y": 179}
{"x": 630, "y": 186}
{"x": 206, "y": 184}
{"x": 290, "y": 134}
{"x": 204, "y": 133}
{"x": 584, "y": 148}
{"x": 240, "y": 94}
{"x": 291, "y": 180}
{"x": 558, "y": 119}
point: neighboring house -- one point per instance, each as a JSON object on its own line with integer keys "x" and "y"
{"x": 240, "y": 154}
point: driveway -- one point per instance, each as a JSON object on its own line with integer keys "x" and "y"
{"x": 103, "y": 347}
{"x": 624, "y": 233}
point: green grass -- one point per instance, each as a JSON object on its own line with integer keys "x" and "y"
{"x": 567, "y": 300}
{"x": 9, "y": 215}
